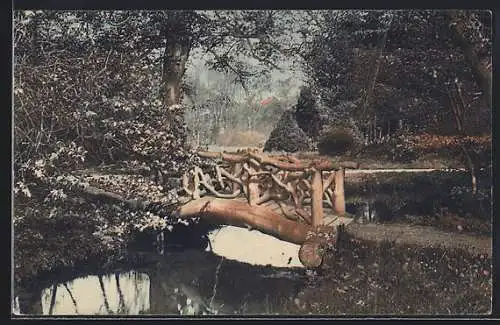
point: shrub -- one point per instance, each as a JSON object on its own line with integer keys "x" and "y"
{"x": 288, "y": 136}
{"x": 402, "y": 149}
{"x": 336, "y": 142}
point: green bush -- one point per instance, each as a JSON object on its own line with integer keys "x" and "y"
{"x": 336, "y": 142}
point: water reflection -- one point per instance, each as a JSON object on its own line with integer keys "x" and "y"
{"x": 119, "y": 293}
{"x": 182, "y": 283}
{"x": 258, "y": 248}
{"x": 371, "y": 210}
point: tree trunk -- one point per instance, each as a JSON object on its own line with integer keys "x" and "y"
{"x": 177, "y": 49}
{"x": 73, "y": 300}
{"x": 105, "y": 297}
{"x": 178, "y": 38}
{"x": 53, "y": 299}
{"x": 378, "y": 62}
{"x": 458, "y": 21}
{"x": 174, "y": 65}
{"x": 458, "y": 108}
{"x": 121, "y": 299}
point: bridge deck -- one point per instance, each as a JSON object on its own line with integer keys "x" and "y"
{"x": 330, "y": 218}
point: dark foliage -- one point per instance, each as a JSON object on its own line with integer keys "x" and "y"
{"x": 92, "y": 88}
{"x": 308, "y": 114}
{"x": 335, "y": 142}
{"x": 400, "y": 65}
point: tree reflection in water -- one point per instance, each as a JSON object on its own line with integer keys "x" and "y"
{"x": 182, "y": 283}
{"x": 118, "y": 293}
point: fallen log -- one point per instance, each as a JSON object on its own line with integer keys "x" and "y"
{"x": 111, "y": 197}
{"x": 262, "y": 218}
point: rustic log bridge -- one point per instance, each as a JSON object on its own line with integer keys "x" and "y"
{"x": 305, "y": 192}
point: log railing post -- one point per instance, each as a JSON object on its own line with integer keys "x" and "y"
{"x": 253, "y": 187}
{"x": 317, "y": 198}
{"x": 236, "y": 171}
{"x": 339, "y": 202}
{"x": 196, "y": 186}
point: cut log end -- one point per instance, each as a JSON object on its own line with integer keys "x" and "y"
{"x": 311, "y": 254}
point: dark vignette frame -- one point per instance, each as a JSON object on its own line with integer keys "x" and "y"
{"x": 157, "y": 4}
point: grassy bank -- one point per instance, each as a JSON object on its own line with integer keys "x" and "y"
{"x": 368, "y": 278}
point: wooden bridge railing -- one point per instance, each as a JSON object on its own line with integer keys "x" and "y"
{"x": 304, "y": 190}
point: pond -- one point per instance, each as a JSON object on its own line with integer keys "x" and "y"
{"x": 434, "y": 197}
{"x": 180, "y": 281}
